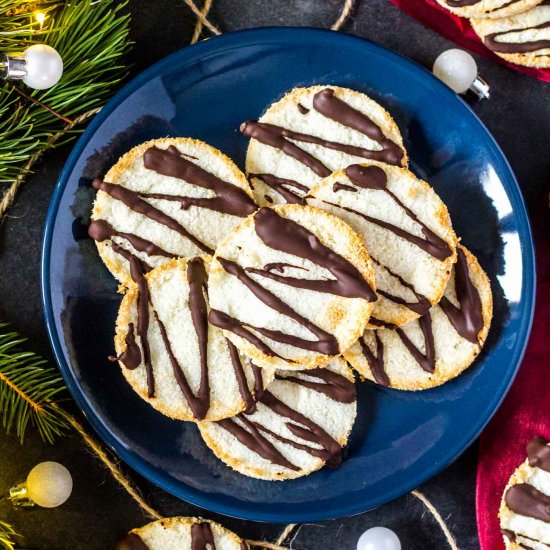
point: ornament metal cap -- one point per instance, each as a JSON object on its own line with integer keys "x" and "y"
{"x": 12, "y": 67}
{"x": 481, "y": 88}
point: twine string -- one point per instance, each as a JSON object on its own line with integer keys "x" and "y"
{"x": 200, "y": 20}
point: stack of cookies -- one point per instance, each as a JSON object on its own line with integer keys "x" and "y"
{"x": 250, "y": 301}
{"x": 517, "y": 30}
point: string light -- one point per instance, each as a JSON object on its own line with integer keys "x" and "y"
{"x": 40, "y": 17}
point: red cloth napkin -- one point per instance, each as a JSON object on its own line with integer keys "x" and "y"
{"x": 459, "y": 30}
{"x": 525, "y": 412}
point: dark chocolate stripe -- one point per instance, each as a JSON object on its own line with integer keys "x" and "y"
{"x": 425, "y": 360}
{"x": 326, "y": 343}
{"x": 287, "y": 236}
{"x": 526, "y": 500}
{"x": 468, "y": 318}
{"x": 255, "y": 441}
{"x": 492, "y": 42}
{"x": 312, "y": 431}
{"x": 202, "y": 537}
{"x": 512, "y": 536}
{"x": 462, "y": 3}
{"x": 143, "y": 321}
{"x": 131, "y": 542}
{"x": 229, "y": 198}
{"x": 422, "y": 306}
{"x": 127, "y": 255}
{"x": 373, "y": 177}
{"x": 240, "y": 375}
{"x": 131, "y": 356}
{"x": 343, "y": 187}
{"x": 280, "y": 185}
{"x": 275, "y": 136}
{"x": 133, "y": 201}
{"x": 326, "y": 103}
{"x": 302, "y": 109}
{"x": 101, "y": 230}
{"x": 376, "y": 362}
{"x": 226, "y": 322}
{"x": 334, "y": 385}
{"x": 538, "y": 453}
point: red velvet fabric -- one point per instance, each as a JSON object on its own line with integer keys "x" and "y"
{"x": 525, "y": 412}
{"x": 459, "y": 30}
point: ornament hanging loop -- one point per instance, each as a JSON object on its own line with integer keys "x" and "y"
{"x": 12, "y": 67}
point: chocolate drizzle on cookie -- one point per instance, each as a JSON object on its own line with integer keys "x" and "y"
{"x": 327, "y": 104}
{"x": 467, "y": 319}
{"x": 374, "y": 178}
{"x": 229, "y": 199}
{"x": 281, "y": 186}
{"x": 143, "y": 322}
{"x": 134, "y": 202}
{"x": 463, "y": 3}
{"x": 202, "y": 537}
{"x": 526, "y": 500}
{"x": 494, "y": 44}
{"x": 131, "y": 357}
{"x": 538, "y": 453}
{"x": 131, "y": 541}
{"x": 254, "y": 435}
{"x": 287, "y": 236}
{"x": 376, "y": 360}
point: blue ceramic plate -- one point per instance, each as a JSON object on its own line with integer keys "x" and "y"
{"x": 205, "y": 91}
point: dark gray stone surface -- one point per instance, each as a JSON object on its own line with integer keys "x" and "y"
{"x": 99, "y": 511}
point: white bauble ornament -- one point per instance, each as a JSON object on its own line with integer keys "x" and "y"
{"x": 49, "y": 484}
{"x": 378, "y": 538}
{"x": 456, "y": 68}
{"x": 43, "y": 66}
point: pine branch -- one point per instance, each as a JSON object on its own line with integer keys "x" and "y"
{"x": 6, "y": 532}
{"x": 29, "y": 390}
{"x": 91, "y": 37}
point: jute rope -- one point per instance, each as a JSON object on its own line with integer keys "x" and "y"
{"x": 111, "y": 465}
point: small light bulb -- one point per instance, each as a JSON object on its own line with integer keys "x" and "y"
{"x": 378, "y": 538}
{"x": 40, "y": 17}
{"x": 49, "y": 484}
{"x": 43, "y": 66}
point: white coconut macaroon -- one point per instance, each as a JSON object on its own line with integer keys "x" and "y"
{"x": 300, "y": 424}
{"x": 310, "y": 133}
{"x": 166, "y": 198}
{"x": 525, "y": 507}
{"x": 488, "y": 9}
{"x": 171, "y": 356}
{"x": 292, "y": 286}
{"x": 181, "y": 533}
{"x": 406, "y": 229}
{"x": 523, "y": 39}
{"x": 438, "y": 346}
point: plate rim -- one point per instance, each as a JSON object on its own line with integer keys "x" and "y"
{"x": 179, "y": 488}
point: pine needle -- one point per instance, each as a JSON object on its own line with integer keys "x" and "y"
{"x": 91, "y": 37}
{"x": 29, "y": 390}
{"x": 6, "y": 532}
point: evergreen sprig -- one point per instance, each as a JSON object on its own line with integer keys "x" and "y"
{"x": 91, "y": 37}
{"x": 6, "y": 532}
{"x": 29, "y": 390}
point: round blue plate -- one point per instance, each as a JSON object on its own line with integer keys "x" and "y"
{"x": 205, "y": 91}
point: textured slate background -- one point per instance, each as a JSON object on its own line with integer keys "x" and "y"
{"x": 98, "y": 512}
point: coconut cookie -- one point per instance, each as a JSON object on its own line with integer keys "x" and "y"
{"x": 439, "y": 345}
{"x": 166, "y": 198}
{"x": 311, "y": 132}
{"x": 181, "y": 533}
{"x": 301, "y": 423}
{"x": 406, "y": 229}
{"x": 488, "y": 9}
{"x": 169, "y": 353}
{"x": 525, "y": 506}
{"x": 291, "y": 287}
{"x": 523, "y": 39}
